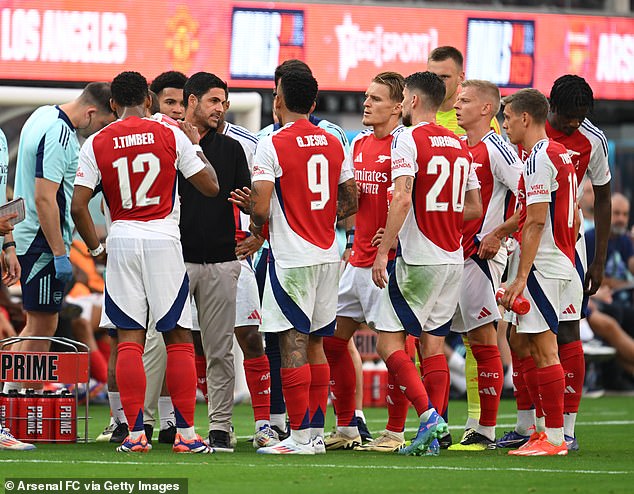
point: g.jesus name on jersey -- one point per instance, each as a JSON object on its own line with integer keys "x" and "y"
{"x": 498, "y": 169}
{"x": 306, "y": 165}
{"x": 372, "y": 171}
{"x": 549, "y": 176}
{"x": 136, "y": 160}
{"x": 442, "y": 167}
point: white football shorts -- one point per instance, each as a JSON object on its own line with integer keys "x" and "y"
{"x": 420, "y": 298}
{"x": 359, "y": 297}
{"x": 146, "y": 275}
{"x": 480, "y": 281}
{"x": 304, "y": 298}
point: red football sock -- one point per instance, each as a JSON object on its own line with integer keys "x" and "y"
{"x": 522, "y": 397}
{"x": 201, "y": 374}
{"x": 436, "y": 379}
{"x": 258, "y": 374}
{"x": 552, "y": 384}
{"x": 318, "y": 394}
{"x": 532, "y": 383}
{"x": 397, "y": 406}
{"x": 131, "y": 381}
{"x": 343, "y": 382}
{"x": 180, "y": 376}
{"x": 408, "y": 380}
{"x": 490, "y": 381}
{"x": 574, "y": 365}
{"x": 98, "y": 366}
{"x": 296, "y": 388}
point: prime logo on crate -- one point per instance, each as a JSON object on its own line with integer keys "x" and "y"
{"x": 43, "y": 367}
{"x": 46, "y": 417}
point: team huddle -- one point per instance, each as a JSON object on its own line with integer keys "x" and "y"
{"x": 440, "y": 212}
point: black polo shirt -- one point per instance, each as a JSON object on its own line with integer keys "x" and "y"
{"x": 207, "y": 224}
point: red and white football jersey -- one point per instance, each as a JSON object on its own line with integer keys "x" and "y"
{"x": 588, "y": 149}
{"x": 306, "y": 165}
{"x": 372, "y": 161}
{"x": 442, "y": 167}
{"x": 498, "y": 169}
{"x": 549, "y": 176}
{"x": 136, "y": 160}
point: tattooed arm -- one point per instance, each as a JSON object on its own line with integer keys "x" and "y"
{"x": 260, "y": 207}
{"x": 347, "y": 199}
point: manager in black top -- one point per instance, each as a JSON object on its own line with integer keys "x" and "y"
{"x": 208, "y": 231}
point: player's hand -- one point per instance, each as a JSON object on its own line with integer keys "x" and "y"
{"x": 513, "y": 290}
{"x": 594, "y": 278}
{"x": 190, "y": 130}
{"x": 378, "y": 236}
{"x": 489, "y": 246}
{"x": 11, "y": 269}
{"x": 346, "y": 256}
{"x": 358, "y": 189}
{"x": 379, "y": 270}
{"x": 248, "y": 246}
{"x": 241, "y": 198}
{"x": 63, "y": 268}
{"x": 5, "y": 223}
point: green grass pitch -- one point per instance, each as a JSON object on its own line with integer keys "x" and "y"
{"x": 604, "y": 464}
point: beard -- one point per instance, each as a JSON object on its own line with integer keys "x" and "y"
{"x": 407, "y": 120}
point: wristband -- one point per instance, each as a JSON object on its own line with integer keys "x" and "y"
{"x": 197, "y": 148}
{"x": 349, "y": 245}
{"x": 97, "y": 251}
{"x": 7, "y": 245}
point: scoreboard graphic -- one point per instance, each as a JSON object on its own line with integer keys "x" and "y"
{"x": 501, "y": 51}
{"x": 261, "y": 39}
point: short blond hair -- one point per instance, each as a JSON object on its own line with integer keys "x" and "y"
{"x": 489, "y": 90}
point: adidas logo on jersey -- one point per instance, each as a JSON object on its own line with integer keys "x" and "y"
{"x": 484, "y": 313}
{"x": 382, "y": 158}
{"x": 255, "y": 315}
{"x": 570, "y": 310}
{"x": 359, "y": 158}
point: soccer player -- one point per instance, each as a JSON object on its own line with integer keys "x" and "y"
{"x": 136, "y": 161}
{"x": 447, "y": 63}
{"x": 498, "y": 169}
{"x": 168, "y": 88}
{"x": 299, "y": 182}
{"x": 435, "y": 189}
{"x": 208, "y": 236}
{"x": 369, "y": 155}
{"x": 45, "y": 171}
{"x": 278, "y": 408}
{"x": 571, "y": 100}
{"x": 546, "y": 274}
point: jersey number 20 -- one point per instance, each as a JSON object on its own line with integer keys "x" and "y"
{"x": 439, "y": 165}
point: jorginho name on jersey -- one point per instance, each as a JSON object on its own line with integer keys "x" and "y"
{"x": 442, "y": 167}
{"x": 372, "y": 162}
{"x": 498, "y": 169}
{"x": 306, "y": 165}
{"x": 136, "y": 161}
{"x": 549, "y": 176}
